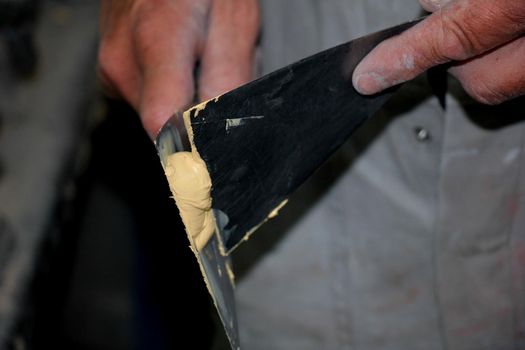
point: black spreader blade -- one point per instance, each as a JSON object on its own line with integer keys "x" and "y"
{"x": 260, "y": 142}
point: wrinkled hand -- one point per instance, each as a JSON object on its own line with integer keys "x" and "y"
{"x": 484, "y": 40}
{"x": 149, "y": 49}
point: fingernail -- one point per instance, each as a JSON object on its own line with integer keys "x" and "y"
{"x": 369, "y": 83}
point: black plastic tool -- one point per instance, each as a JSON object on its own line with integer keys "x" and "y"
{"x": 263, "y": 140}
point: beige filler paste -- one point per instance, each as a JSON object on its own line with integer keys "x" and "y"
{"x": 190, "y": 185}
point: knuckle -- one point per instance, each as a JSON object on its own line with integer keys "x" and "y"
{"x": 459, "y": 40}
{"x": 468, "y": 30}
{"x": 513, "y": 16}
{"x": 489, "y": 98}
{"x": 485, "y": 93}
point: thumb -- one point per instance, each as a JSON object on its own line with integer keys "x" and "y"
{"x": 460, "y": 30}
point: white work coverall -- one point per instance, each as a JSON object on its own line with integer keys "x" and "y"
{"x": 412, "y": 237}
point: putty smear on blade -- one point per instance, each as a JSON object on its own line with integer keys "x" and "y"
{"x": 190, "y": 185}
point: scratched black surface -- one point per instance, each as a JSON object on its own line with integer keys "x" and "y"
{"x": 262, "y": 141}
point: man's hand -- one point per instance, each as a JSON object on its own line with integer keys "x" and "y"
{"x": 483, "y": 39}
{"x": 149, "y": 49}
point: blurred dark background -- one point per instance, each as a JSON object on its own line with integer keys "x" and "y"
{"x": 92, "y": 251}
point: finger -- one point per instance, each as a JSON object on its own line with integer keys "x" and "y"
{"x": 167, "y": 87}
{"x": 166, "y": 45}
{"x": 496, "y": 76}
{"x": 461, "y": 30}
{"x": 229, "y": 52}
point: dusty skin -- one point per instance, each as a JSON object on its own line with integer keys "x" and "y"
{"x": 190, "y": 185}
